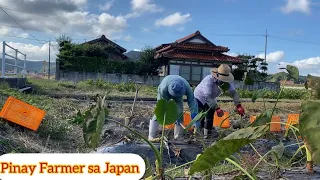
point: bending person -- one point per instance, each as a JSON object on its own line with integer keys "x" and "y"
{"x": 207, "y": 92}
{"x": 174, "y": 87}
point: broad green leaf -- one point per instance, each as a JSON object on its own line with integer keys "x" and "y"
{"x": 199, "y": 116}
{"x": 258, "y": 94}
{"x": 309, "y": 125}
{"x": 160, "y": 110}
{"x": 93, "y": 123}
{"x": 293, "y": 72}
{"x": 216, "y": 153}
{"x": 168, "y": 110}
{"x": 226, "y": 147}
{"x": 248, "y": 133}
{"x": 262, "y": 119}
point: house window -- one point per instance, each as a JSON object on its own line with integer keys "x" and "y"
{"x": 205, "y": 71}
{"x": 196, "y": 73}
{"x": 185, "y": 72}
{"x": 174, "y": 69}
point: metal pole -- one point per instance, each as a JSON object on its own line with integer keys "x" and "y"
{"x": 25, "y": 64}
{"x": 265, "y": 47}
{"x": 3, "y": 59}
{"x": 16, "y": 63}
{"x": 49, "y": 61}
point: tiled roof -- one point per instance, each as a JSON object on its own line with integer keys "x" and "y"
{"x": 199, "y": 56}
{"x": 188, "y": 37}
{"x": 194, "y": 47}
{"x": 103, "y": 38}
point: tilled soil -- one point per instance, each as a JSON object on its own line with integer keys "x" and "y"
{"x": 118, "y": 140}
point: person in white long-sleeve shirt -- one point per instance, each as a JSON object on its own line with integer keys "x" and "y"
{"x": 207, "y": 92}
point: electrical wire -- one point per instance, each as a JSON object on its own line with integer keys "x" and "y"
{"x": 29, "y": 12}
{"x": 298, "y": 41}
{"x": 19, "y": 25}
{"x": 20, "y": 37}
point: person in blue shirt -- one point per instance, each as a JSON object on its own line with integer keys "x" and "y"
{"x": 207, "y": 92}
{"x": 174, "y": 87}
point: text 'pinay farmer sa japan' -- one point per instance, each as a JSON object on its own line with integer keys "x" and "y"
{"x": 45, "y": 167}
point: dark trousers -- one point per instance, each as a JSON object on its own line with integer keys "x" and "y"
{"x": 206, "y": 122}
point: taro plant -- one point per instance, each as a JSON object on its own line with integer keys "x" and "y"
{"x": 92, "y": 121}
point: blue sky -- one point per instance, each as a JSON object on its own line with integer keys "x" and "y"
{"x": 134, "y": 24}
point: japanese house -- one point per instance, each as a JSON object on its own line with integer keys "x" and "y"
{"x": 192, "y": 57}
{"x": 116, "y": 54}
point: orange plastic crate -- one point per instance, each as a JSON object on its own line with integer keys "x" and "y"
{"x": 217, "y": 120}
{"x": 186, "y": 120}
{"x": 275, "y": 126}
{"x": 292, "y": 120}
{"x": 21, "y": 113}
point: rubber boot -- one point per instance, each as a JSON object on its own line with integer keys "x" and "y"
{"x": 205, "y": 133}
{"x": 153, "y": 127}
{"x": 178, "y": 132}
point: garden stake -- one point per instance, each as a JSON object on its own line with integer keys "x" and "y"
{"x": 128, "y": 119}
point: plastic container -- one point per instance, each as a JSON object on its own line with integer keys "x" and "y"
{"x": 252, "y": 118}
{"x": 21, "y": 113}
{"x": 292, "y": 120}
{"x": 275, "y": 126}
{"x": 186, "y": 120}
{"x": 217, "y": 120}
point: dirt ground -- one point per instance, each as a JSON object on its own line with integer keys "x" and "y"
{"x": 143, "y": 112}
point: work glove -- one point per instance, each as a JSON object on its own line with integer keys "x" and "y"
{"x": 219, "y": 112}
{"x": 240, "y": 110}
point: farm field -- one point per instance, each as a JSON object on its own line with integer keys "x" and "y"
{"x": 60, "y": 132}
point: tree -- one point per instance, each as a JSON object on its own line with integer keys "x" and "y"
{"x": 255, "y": 68}
{"x": 148, "y": 65}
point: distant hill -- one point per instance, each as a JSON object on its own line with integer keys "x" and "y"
{"x": 36, "y": 66}
{"x": 133, "y": 55}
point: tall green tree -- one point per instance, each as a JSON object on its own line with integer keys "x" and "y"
{"x": 255, "y": 68}
{"x": 147, "y": 64}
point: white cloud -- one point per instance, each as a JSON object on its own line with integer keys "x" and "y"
{"x": 296, "y": 5}
{"x": 306, "y": 66}
{"x": 145, "y": 6}
{"x": 137, "y": 50}
{"x": 273, "y": 57}
{"x": 231, "y": 54}
{"x": 180, "y": 29}
{"x": 8, "y": 31}
{"x": 146, "y": 29}
{"x": 309, "y": 63}
{"x": 173, "y": 19}
{"x": 64, "y": 16}
{"x": 106, "y": 6}
{"x": 34, "y": 52}
{"x": 127, "y": 38}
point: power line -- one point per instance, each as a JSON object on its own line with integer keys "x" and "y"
{"x": 29, "y": 12}
{"x": 19, "y": 25}
{"x": 298, "y": 41}
{"x": 5, "y": 25}
{"x": 20, "y": 37}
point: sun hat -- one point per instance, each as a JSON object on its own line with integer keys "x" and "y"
{"x": 176, "y": 88}
{"x": 223, "y": 73}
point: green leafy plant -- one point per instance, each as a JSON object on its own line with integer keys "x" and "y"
{"x": 93, "y": 122}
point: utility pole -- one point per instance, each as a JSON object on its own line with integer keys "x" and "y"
{"x": 49, "y": 60}
{"x": 265, "y": 47}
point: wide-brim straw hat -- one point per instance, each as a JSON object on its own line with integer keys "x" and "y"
{"x": 223, "y": 73}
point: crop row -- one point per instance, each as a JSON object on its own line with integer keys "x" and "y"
{"x": 130, "y": 87}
